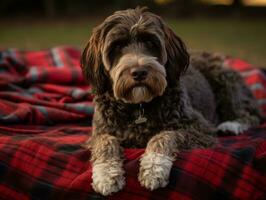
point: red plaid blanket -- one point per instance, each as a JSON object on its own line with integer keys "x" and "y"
{"x": 45, "y": 115}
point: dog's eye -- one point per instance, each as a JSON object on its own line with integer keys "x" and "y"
{"x": 149, "y": 40}
{"x": 118, "y": 45}
{"x": 115, "y": 50}
{"x": 150, "y": 43}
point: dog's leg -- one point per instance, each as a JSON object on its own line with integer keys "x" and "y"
{"x": 236, "y": 106}
{"x": 107, "y": 164}
{"x": 156, "y": 162}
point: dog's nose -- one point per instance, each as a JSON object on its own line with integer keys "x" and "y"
{"x": 139, "y": 74}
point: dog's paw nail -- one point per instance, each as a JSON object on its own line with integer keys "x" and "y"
{"x": 108, "y": 177}
{"x": 154, "y": 170}
{"x": 232, "y": 127}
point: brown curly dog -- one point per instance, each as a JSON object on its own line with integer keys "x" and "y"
{"x": 150, "y": 93}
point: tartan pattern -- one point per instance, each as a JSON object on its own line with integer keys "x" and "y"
{"x": 45, "y": 115}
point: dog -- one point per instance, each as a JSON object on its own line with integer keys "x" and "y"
{"x": 150, "y": 92}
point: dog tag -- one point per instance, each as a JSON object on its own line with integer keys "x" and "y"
{"x": 141, "y": 120}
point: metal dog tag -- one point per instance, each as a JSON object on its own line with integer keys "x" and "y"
{"x": 141, "y": 120}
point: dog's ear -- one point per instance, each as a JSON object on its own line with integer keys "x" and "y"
{"x": 92, "y": 65}
{"x": 177, "y": 56}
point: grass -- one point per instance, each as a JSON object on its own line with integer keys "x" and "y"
{"x": 241, "y": 38}
{"x": 244, "y": 39}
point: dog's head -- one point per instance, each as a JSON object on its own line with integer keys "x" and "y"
{"x": 134, "y": 54}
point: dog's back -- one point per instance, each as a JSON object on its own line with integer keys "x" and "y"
{"x": 200, "y": 93}
{"x": 214, "y": 87}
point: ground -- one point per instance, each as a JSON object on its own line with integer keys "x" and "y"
{"x": 236, "y": 37}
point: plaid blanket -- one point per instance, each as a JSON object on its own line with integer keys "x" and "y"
{"x": 45, "y": 115}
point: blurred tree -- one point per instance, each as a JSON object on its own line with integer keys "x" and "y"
{"x": 121, "y": 4}
{"x": 237, "y": 6}
{"x": 237, "y": 3}
{"x": 181, "y": 8}
{"x": 4, "y": 4}
{"x": 186, "y": 8}
{"x": 170, "y": 8}
{"x": 49, "y": 8}
{"x": 163, "y": 2}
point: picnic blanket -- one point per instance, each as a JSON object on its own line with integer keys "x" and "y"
{"x": 45, "y": 115}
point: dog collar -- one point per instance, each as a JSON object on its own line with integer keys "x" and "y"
{"x": 141, "y": 119}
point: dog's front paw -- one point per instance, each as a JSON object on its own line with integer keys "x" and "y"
{"x": 154, "y": 170}
{"x": 232, "y": 127}
{"x": 107, "y": 176}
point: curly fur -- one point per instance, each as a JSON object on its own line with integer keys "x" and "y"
{"x": 183, "y": 105}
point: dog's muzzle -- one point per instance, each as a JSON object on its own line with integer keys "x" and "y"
{"x": 138, "y": 78}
